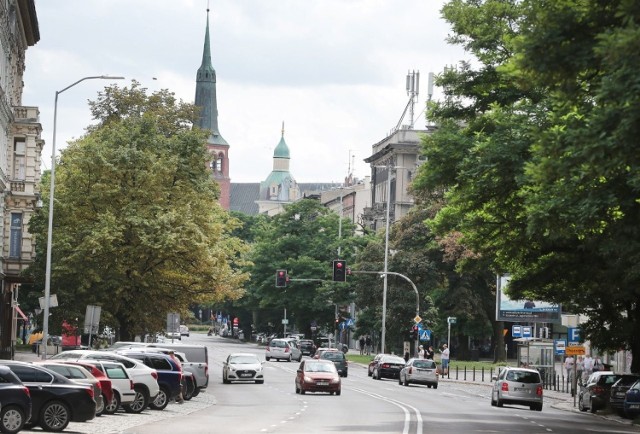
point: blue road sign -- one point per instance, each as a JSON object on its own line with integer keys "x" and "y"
{"x": 526, "y": 332}
{"x": 559, "y": 345}
{"x": 516, "y": 331}
{"x": 574, "y": 334}
{"x": 350, "y": 322}
{"x": 425, "y": 335}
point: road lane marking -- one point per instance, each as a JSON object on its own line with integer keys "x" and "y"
{"x": 403, "y": 406}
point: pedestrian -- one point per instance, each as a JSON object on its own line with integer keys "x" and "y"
{"x": 588, "y": 368}
{"x": 361, "y": 343}
{"x": 568, "y": 366}
{"x": 406, "y": 356}
{"x": 367, "y": 342}
{"x": 444, "y": 357}
{"x": 579, "y": 369}
{"x": 597, "y": 364}
{"x": 429, "y": 353}
{"x": 420, "y": 352}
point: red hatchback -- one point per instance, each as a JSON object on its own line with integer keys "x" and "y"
{"x": 318, "y": 376}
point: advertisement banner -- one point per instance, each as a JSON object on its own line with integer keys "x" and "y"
{"x": 523, "y": 310}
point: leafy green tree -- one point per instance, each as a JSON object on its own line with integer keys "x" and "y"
{"x": 303, "y": 240}
{"x": 138, "y": 229}
{"x": 536, "y": 154}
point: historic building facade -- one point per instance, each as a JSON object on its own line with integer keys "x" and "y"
{"x": 20, "y": 150}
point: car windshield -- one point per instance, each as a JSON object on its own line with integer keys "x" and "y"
{"x": 392, "y": 359}
{"x": 425, "y": 364}
{"x": 333, "y": 355}
{"x": 608, "y": 380}
{"x": 319, "y": 367}
{"x": 526, "y": 377}
{"x": 243, "y": 360}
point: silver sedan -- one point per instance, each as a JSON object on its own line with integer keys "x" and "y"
{"x": 242, "y": 367}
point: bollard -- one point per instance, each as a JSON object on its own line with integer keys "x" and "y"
{"x": 465, "y": 372}
{"x": 456, "y": 372}
{"x": 474, "y": 373}
{"x": 483, "y": 374}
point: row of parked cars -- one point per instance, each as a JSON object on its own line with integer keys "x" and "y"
{"x": 78, "y": 385}
{"x": 619, "y": 391}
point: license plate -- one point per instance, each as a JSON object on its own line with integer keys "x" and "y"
{"x": 323, "y": 383}
{"x": 521, "y": 389}
{"x": 620, "y": 395}
{"x": 634, "y": 406}
{"x": 245, "y": 375}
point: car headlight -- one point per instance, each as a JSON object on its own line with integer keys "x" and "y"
{"x": 335, "y": 380}
{"x": 308, "y": 379}
{"x": 259, "y": 368}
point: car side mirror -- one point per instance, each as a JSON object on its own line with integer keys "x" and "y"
{"x": 494, "y": 378}
{"x": 299, "y": 370}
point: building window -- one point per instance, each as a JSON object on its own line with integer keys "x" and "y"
{"x": 19, "y": 151}
{"x": 15, "y": 248}
{"x": 219, "y": 164}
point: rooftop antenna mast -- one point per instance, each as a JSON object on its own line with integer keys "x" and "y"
{"x": 413, "y": 89}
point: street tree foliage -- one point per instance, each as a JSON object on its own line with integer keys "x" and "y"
{"x": 536, "y": 156}
{"x": 303, "y": 240}
{"x": 137, "y": 226}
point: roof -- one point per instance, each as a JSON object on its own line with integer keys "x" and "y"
{"x": 282, "y": 150}
{"x": 244, "y": 196}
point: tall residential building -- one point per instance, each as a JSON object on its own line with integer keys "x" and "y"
{"x": 206, "y": 100}
{"x": 20, "y": 151}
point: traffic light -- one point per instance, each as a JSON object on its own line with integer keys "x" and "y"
{"x": 414, "y": 333}
{"x": 281, "y": 278}
{"x": 339, "y": 270}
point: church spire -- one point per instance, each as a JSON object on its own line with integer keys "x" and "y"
{"x": 206, "y": 93}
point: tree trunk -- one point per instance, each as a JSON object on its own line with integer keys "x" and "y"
{"x": 634, "y": 341}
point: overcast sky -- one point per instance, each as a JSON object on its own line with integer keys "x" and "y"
{"x": 333, "y": 70}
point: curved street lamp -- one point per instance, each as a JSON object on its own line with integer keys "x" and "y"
{"x": 47, "y": 281}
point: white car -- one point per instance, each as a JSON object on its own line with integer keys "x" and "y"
{"x": 242, "y": 367}
{"x": 283, "y": 349}
{"x": 184, "y": 330}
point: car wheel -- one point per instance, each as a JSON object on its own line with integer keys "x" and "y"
{"x": 592, "y": 408}
{"x": 369, "y": 373}
{"x": 400, "y": 381}
{"x": 435, "y": 386}
{"x": 100, "y": 407}
{"x": 539, "y": 407}
{"x": 289, "y": 359}
{"x": 140, "y": 402}
{"x": 54, "y": 416}
{"x": 302, "y": 391}
{"x": 300, "y": 358}
{"x": 267, "y": 358}
{"x": 188, "y": 394}
{"x": 338, "y": 392}
{"x": 161, "y": 400}
{"x": 113, "y": 405}
{"x": 499, "y": 402}
{"x": 224, "y": 379}
{"x": 297, "y": 390}
{"x": 11, "y": 419}
{"x": 428, "y": 386}
{"x": 581, "y": 404}
{"x": 493, "y": 401}
{"x": 196, "y": 392}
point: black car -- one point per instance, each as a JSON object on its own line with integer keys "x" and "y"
{"x": 307, "y": 347}
{"x": 169, "y": 375}
{"x": 16, "y": 402}
{"x": 56, "y": 400}
{"x": 338, "y": 358}
{"x": 619, "y": 391}
{"x": 388, "y": 366}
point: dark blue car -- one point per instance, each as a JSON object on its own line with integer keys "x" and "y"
{"x": 632, "y": 400}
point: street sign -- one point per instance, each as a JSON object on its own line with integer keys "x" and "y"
{"x": 425, "y": 335}
{"x": 173, "y": 322}
{"x": 526, "y": 332}
{"x": 350, "y": 322}
{"x": 285, "y": 321}
{"x": 560, "y": 345}
{"x": 574, "y": 334}
{"x": 516, "y": 331}
{"x": 452, "y": 319}
{"x": 417, "y": 319}
{"x": 575, "y": 350}
{"x": 92, "y": 319}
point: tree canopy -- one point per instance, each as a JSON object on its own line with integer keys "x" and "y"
{"x": 137, "y": 226}
{"x": 536, "y": 151}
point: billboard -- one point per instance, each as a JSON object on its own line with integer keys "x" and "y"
{"x": 523, "y": 310}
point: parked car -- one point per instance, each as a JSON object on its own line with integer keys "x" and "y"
{"x": 56, "y": 400}
{"x": 283, "y": 349}
{"x": 419, "y": 371}
{"x": 373, "y": 363}
{"x": 595, "y": 394}
{"x": 145, "y": 379}
{"x": 16, "y": 402}
{"x": 307, "y": 347}
{"x": 388, "y": 366}
{"x": 172, "y": 335}
{"x": 196, "y": 361}
{"x": 339, "y": 359}
{"x": 105, "y": 383}
{"x": 124, "y": 392}
{"x": 318, "y": 376}
{"x": 632, "y": 401}
{"x": 242, "y": 367}
{"x": 619, "y": 392}
{"x": 184, "y": 330}
{"x": 521, "y": 386}
{"x": 79, "y": 375}
{"x": 169, "y": 375}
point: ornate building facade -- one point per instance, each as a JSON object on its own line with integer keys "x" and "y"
{"x": 20, "y": 151}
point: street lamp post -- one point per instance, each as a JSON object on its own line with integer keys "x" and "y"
{"x": 47, "y": 281}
